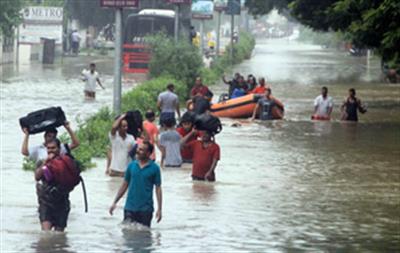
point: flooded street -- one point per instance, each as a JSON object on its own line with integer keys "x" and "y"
{"x": 284, "y": 186}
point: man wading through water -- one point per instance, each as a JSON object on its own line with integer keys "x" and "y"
{"x": 53, "y": 198}
{"x": 91, "y": 77}
{"x": 140, "y": 177}
{"x": 121, "y": 144}
{"x": 206, "y": 154}
{"x": 38, "y": 153}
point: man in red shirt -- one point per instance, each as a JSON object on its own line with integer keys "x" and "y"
{"x": 206, "y": 154}
{"x": 186, "y": 129}
{"x": 151, "y": 130}
{"x": 199, "y": 89}
{"x": 260, "y": 89}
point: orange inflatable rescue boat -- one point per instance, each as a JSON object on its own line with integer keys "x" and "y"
{"x": 241, "y": 107}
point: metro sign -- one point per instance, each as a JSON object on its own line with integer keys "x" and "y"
{"x": 120, "y": 3}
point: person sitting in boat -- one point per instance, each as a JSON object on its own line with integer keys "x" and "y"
{"x": 242, "y": 84}
{"x": 234, "y": 83}
{"x": 260, "y": 89}
{"x": 251, "y": 82}
{"x": 268, "y": 107}
{"x": 238, "y": 92}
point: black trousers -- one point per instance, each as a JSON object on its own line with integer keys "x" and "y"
{"x": 143, "y": 218}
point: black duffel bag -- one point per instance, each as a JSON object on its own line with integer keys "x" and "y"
{"x": 208, "y": 122}
{"x": 135, "y": 123}
{"x": 43, "y": 120}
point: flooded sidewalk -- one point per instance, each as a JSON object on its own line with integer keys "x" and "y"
{"x": 283, "y": 186}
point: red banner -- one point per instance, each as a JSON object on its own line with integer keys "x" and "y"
{"x": 120, "y": 3}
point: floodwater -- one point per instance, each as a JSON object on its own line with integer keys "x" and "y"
{"x": 284, "y": 186}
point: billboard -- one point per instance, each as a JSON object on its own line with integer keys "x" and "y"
{"x": 233, "y": 7}
{"x": 202, "y": 9}
{"x": 220, "y": 5}
{"x": 120, "y": 3}
{"x": 41, "y": 22}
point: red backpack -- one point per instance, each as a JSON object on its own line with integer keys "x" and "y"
{"x": 65, "y": 171}
{"x": 66, "y": 174}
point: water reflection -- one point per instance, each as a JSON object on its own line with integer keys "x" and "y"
{"x": 137, "y": 238}
{"x": 322, "y": 127}
{"x": 203, "y": 191}
{"x": 52, "y": 242}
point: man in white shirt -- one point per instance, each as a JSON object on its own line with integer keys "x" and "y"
{"x": 121, "y": 144}
{"x": 168, "y": 103}
{"x": 38, "y": 153}
{"x": 323, "y": 106}
{"x": 91, "y": 77}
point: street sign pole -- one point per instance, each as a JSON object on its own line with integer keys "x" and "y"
{"x": 201, "y": 36}
{"x": 218, "y": 32}
{"x": 176, "y": 25}
{"x": 118, "y": 5}
{"x": 232, "y": 31}
{"x": 117, "y": 61}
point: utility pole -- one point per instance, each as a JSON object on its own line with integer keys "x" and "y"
{"x": 176, "y": 25}
{"x": 201, "y": 36}
{"x": 232, "y": 31}
{"x": 117, "y": 61}
{"x": 218, "y": 32}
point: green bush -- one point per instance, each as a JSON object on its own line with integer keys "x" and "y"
{"x": 178, "y": 59}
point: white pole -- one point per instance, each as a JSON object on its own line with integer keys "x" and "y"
{"x": 117, "y": 61}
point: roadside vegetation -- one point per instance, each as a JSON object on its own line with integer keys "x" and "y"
{"x": 178, "y": 63}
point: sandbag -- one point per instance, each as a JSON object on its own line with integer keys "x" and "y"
{"x": 208, "y": 122}
{"x": 42, "y": 120}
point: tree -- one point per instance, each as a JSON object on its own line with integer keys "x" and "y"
{"x": 257, "y": 7}
{"x": 369, "y": 23}
{"x": 10, "y": 16}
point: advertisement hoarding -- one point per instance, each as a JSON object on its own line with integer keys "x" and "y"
{"x": 233, "y": 7}
{"x": 202, "y": 9}
{"x": 220, "y": 5}
{"x": 41, "y": 22}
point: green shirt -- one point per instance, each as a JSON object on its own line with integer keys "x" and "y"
{"x": 140, "y": 186}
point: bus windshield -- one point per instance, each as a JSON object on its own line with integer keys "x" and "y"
{"x": 139, "y": 26}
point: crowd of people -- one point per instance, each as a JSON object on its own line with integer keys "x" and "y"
{"x": 133, "y": 158}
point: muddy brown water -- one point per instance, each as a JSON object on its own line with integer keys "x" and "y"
{"x": 284, "y": 186}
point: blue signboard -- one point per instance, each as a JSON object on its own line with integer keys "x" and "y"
{"x": 202, "y": 9}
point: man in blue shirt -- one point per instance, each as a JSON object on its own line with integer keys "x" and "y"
{"x": 140, "y": 177}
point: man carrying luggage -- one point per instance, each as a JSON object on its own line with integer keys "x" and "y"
{"x": 53, "y": 197}
{"x": 206, "y": 154}
{"x": 39, "y": 153}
